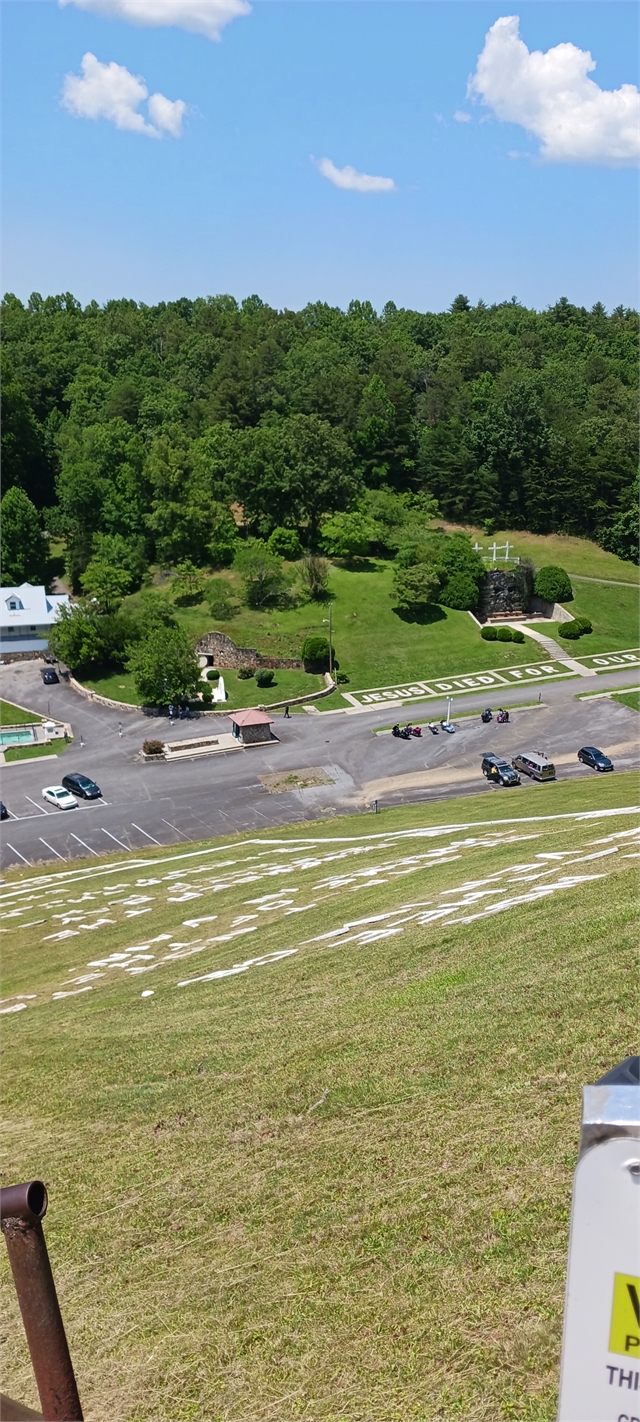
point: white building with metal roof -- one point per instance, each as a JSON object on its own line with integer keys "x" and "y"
{"x": 27, "y": 614}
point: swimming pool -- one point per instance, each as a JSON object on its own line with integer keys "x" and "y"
{"x": 23, "y": 737}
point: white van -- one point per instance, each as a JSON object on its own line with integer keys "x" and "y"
{"x": 535, "y": 764}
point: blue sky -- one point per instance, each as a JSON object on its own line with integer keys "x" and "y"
{"x": 235, "y": 203}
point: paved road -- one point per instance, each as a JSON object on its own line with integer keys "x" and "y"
{"x": 146, "y": 804}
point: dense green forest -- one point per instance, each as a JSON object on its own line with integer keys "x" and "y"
{"x": 133, "y": 429}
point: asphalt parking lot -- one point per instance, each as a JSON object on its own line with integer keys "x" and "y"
{"x": 145, "y": 804}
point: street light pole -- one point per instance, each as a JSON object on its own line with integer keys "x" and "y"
{"x": 325, "y": 620}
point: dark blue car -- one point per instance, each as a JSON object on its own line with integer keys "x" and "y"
{"x": 589, "y": 755}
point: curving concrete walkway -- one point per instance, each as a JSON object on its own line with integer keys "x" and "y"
{"x": 553, "y": 649}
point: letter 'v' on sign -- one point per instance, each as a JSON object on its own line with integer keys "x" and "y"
{"x": 624, "y": 1336}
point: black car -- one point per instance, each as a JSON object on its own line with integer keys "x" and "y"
{"x": 597, "y": 759}
{"x": 49, "y": 676}
{"x": 498, "y": 770}
{"x": 78, "y": 784}
{"x": 4, "y": 813}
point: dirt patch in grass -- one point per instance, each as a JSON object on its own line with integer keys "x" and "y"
{"x": 296, "y": 779}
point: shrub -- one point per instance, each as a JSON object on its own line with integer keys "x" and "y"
{"x": 221, "y": 604}
{"x": 461, "y": 592}
{"x": 517, "y": 635}
{"x": 246, "y": 673}
{"x": 188, "y": 584}
{"x": 315, "y": 653}
{"x": 505, "y": 634}
{"x": 212, "y": 674}
{"x": 574, "y": 629}
{"x": 261, "y": 572}
{"x": 416, "y": 588}
{"x": 314, "y": 575}
{"x": 264, "y": 678}
{"x": 489, "y": 633}
{"x": 341, "y": 678}
{"x": 153, "y": 748}
{"x": 207, "y": 694}
{"x": 348, "y": 535}
{"x": 553, "y": 584}
{"x": 284, "y": 542}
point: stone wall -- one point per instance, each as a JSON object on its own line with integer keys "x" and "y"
{"x": 500, "y": 596}
{"x": 227, "y": 656}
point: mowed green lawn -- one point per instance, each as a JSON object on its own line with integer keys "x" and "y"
{"x": 332, "y": 1181}
{"x": 373, "y": 644}
{"x": 629, "y": 698}
{"x": 614, "y": 612}
{"x": 11, "y": 715}
{"x": 576, "y": 555}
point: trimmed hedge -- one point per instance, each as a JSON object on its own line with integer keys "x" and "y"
{"x": 577, "y": 628}
{"x": 264, "y": 678}
{"x": 246, "y": 673}
{"x": 553, "y": 584}
{"x": 489, "y": 634}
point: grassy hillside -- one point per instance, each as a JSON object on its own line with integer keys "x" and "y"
{"x": 577, "y": 555}
{"x": 373, "y": 644}
{"x": 11, "y": 715}
{"x": 614, "y": 612}
{"x": 311, "y": 1106}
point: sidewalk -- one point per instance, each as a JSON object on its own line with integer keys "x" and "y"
{"x": 553, "y": 649}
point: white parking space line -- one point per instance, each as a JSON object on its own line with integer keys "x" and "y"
{"x": 17, "y": 851}
{"x": 117, "y": 841}
{"x": 50, "y": 846}
{"x": 38, "y": 807}
{"x": 149, "y": 836}
{"x": 175, "y": 831}
{"x": 81, "y": 841}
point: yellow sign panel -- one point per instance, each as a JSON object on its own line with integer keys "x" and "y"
{"x": 624, "y": 1336}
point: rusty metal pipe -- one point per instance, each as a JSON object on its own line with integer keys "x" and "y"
{"x": 22, "y": 1208}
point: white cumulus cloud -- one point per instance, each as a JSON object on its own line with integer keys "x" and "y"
{"x": 551, "y": 96}
{"x": 109, "y": 91}
{"x": 350, "y": 178}
{"x": 200, "y": 17}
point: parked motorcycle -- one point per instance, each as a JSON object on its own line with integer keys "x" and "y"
{"x": 433, "y": 728}
{"x": 449, "y": 727}
{"x": 486, "y": 716}
{"x": 502, "y": 717}
{"x": 416, "y": 731}
{"x": 395, "y": 730}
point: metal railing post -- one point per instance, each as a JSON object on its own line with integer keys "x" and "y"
{"x": 22, "y": 1208}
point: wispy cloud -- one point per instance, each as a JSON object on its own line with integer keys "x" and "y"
{"x": 349, "y": 178}
{"x": 461, "y": 117}
{"x": 109, "y": 91}
{"x": 200, "y": 17}
{"x": 550, "y": 95}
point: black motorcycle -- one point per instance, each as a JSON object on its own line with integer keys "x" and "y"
{"x": 486, "y": 716}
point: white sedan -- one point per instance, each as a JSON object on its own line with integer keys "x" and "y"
{"x": 58, "y": 796}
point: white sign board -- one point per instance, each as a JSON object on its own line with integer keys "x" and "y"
{"x": 600, "y": 1374}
